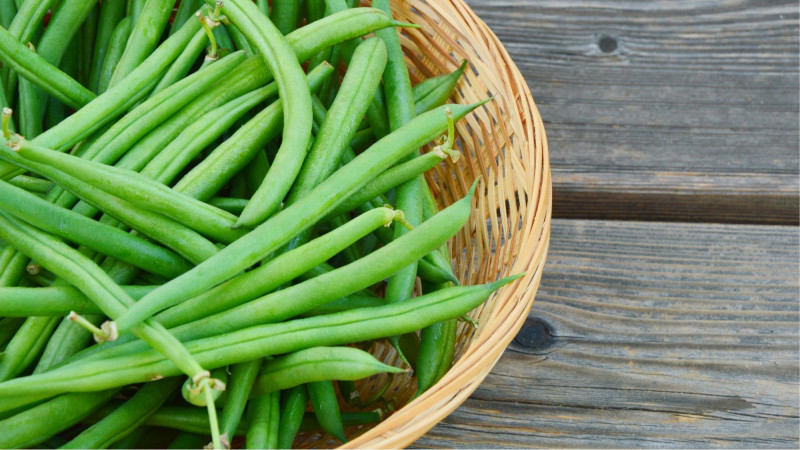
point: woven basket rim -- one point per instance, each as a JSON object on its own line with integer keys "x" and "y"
{"x": 513, "y": 302}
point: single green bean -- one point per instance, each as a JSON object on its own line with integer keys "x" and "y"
{"x": 144, "y": 38}
{"x": 86, "y": 45}
{"x": 53, "y": 301}
{"x": 116, "y": 46}
{"x": 435, "y": 91}
{"x": 127, "y": 417}
{"x": 326, "y": 408}
{"x": 284, "y": 15}
{"x": 292, "y": 412}
{"x": 296, "y": 98}
{"x": 7, "y": 12}
{"x": 230, "y": 204}
{"x": 111, "y": 13}
{"x": 30, "y": 117}
{"x": 185, "y": 12}
{"x": 318, "y": 364}
{"x": 283, "y": 226}
{"x": 243, "y": 376}
{"x": 264, "y": 413}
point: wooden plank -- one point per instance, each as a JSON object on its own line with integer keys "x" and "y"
{"x": 649, "y": 335}
{"x": 663, "y": 110}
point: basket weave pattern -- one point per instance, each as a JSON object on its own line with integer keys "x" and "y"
{"x": 504, "y": 143}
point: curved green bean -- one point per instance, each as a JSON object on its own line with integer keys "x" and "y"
{"x": 318, "y": 364}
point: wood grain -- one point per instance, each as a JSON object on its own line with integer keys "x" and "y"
{"x": 649, "y": 335}
{"x": 663, "y": 110}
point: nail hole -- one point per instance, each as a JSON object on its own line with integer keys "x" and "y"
{"x": 536, "y": 334}
{"x": 607, "y": 44}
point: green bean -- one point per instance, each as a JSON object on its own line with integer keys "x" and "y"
{"x": 127, "y": 417}
{"x": 76, "y": 228}
{"x": 292, "y": 412}
{"x": 435, "y": 91}
{"x": 7, "y": 12}
{"x": 180, "y": 239}
{"x": 116, "y": 46}
{"x": 342, "y": 119}
{"x": 53, "y": 301}
{"x": 132, "y": 439}
{"x": 9, "y": 327}
{"x": 240, "y": 41}
{"x": 345, "y": 304}
{"x": 257, "y": 342}
{"x": 30, "y": 118}
{"x": 315, "y": 10}
{"x": 144, "y": 37}
{"x": 243, "y": 376}
{"x": 284, "y": 225}
{"x": 284, "y": 15}
{"x": 326, "y": 408}
{"x": 86, "y": 44}
{"x": 188, "y": 440}
{"x": 111, "y": 13}
{"x": 30, "y": 427}
{"x": 232, "y": 205}
{"x": 439, "y": 272}
{"x": 391, "y": 178}
{"x": 42, "y": 73}
{"x": 183, "y": 64}
{"x": 140, "y": 190}
{"x": 186, "y": 10}
{"x": 264, "y": 413}
{"x": 296, "y": 99}
{"x": 318, "y": 364}
{"x": 224, "y": 41}
{"x": 437, "y": 349}
{"x": 26, "y": 345}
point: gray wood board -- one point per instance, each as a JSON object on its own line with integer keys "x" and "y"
{"x": 663, "y": 110}
{"x": 649, "y": 335}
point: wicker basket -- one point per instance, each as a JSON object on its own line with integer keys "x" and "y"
{"x": 504, "y": 143}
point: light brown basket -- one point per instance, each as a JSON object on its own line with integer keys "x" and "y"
{"x": 504, "y": 143}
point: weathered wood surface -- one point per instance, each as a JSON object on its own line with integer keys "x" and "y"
{"x": 649, "y": 335}
{"x": 663, "y": 110}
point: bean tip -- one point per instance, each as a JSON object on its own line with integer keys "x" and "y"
{"x": 399, "y": 24}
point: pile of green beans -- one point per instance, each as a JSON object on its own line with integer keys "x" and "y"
{"x": 196, "y": 220}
